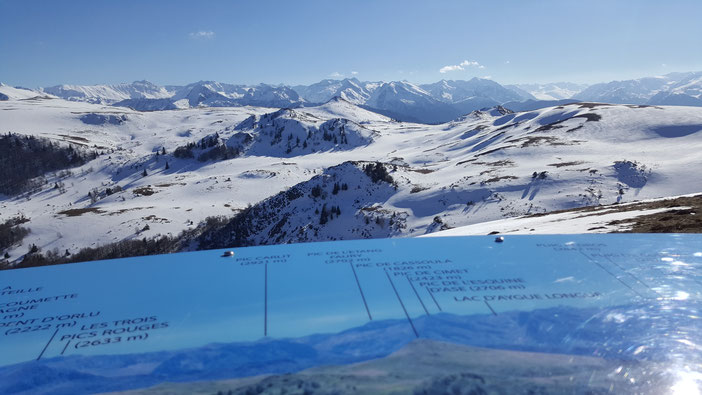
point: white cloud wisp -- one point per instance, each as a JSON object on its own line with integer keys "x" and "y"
{"x": 203, "y": 34}
{"x": 461, "y": 66}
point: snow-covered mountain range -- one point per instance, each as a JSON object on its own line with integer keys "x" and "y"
{"x": 108, "y": 94}
{"x": 402, "y": 100}
{"x": 432, "y": 103}
{"x": 331, "y": 171}
{"x": 676, "y": 89}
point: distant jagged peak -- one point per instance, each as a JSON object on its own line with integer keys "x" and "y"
{"x": 331, "y": 81}
{"x": 489, "y": 81}
{"x": 398, "y": 91}
{"x": 406, "y": 85}
{"x": 145, "y": 84}
{"x": 350, "y": 89}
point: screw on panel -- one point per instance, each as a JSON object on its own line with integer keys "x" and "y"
{"x": 228, "y": 253}
{"x": 499, "y": 239}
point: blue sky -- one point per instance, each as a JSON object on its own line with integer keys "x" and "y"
{"x": 175, "y": 42}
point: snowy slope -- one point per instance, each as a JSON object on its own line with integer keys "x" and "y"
{"x": 485, "y": 166}
{"x": 11, "y": 93}
{"x": 530, "y": 105}
{"x": 523, "y": 94}
{"x": 483, "y": 169}
{"x": 180, "y": 194}
{"x": 341, "y": 108}
{"x": 598, "y": 219}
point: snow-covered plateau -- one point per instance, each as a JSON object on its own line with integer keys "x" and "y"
{"x": 336, "y": 170}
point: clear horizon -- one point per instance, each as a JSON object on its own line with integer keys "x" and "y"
{"x": 300, "y": 43}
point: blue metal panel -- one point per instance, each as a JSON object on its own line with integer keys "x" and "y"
{"x": 137, "y": 322}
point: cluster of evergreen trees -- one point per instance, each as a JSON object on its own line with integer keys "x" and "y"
{"x": 326, "y": 215}
{"x": 12, "y": 233}
{"x": 219, "y": 152}
{"x": 377, "y": 172}
{"x": 216, "y": 149}
{"x": 316, "y": 190}
{"x": 337, "y": 188}
{"x": 24, "y": 158}
{"x": 122, "y": 249}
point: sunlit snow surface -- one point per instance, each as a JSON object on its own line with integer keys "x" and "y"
{"x": 475, "y": 169}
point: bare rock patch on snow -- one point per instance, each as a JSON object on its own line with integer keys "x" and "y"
{"x": 633, "y": 174}
{"x": 102, "y": 119}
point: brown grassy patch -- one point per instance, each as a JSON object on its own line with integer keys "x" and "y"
{"x": 144, "y": 191}
{"x": 495, "y": 150}
{"x": 422, "y": 171}
{"x": 565, "y": 164}
{"x": 495, "y": 179}
{"x": 124, "y": 210}
{"x": 538, "y": 140}
{"x": 75, "y": 138}
{"x": 76, "y": 212}
{"x": 417, "y": 189}
{"x": 674, "y": 220}
{"x": 466, "y": 161}
{"x": 154, "y": 218}
{"x": 170, "y": 184}
{"x": 504, "y": 162}
{"x": 592, "y": 105}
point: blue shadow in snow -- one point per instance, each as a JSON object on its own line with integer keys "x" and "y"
{"x": 558, "y": 117}
{"x": 503, "y": 120}
{"x": 677, "y": 130}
